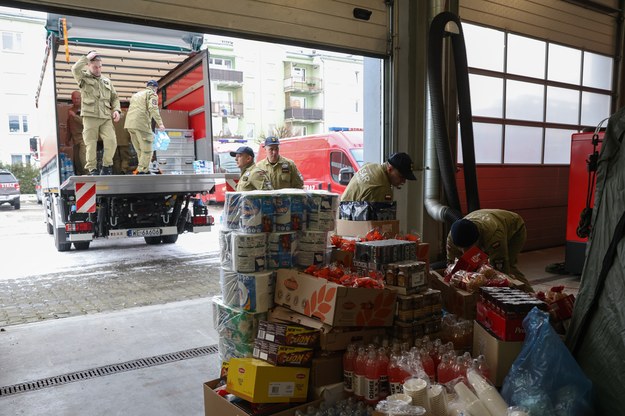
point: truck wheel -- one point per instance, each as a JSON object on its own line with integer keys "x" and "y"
{"x": 82, "y": 245}
{"x": 16, "y": 205}
{"x": 170, "y": 239}
{"x": 59, "y": 245}
{"x": 49, "y": 228}
{"x": 152, "y": 240}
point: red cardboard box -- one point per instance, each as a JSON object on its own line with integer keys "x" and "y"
{"x": 470, "y": 261}
{"x": 504, "y": 328}
{"x": 334, "y": 304}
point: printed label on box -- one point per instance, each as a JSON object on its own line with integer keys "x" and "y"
{"x": 281, "y": 389}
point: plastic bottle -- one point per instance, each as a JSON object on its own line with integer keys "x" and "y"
{"x": 488, "y": 394}
{"x": 458, "y": 369}
{"x": 444, "y": 372}
{"x": 348, "y": 368}
{"x": 482, "y": 367}
{"x": 383, "y": 361}
{"x": 395, "y": 379}
{"x": 372, "y": 378}
{"x": 360, "y": 369}
{"x": 428, "y": 365}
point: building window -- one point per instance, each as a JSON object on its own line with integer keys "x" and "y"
{"x": 529, "y": 95}
{"x": 338, "y": 161}
{"x": 18, "y": 123}
{"x": 11, "y": 42}
{"x": 250, "y": 129}
{"x": 223, "y": 63}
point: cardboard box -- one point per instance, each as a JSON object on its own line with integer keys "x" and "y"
{"x": 340, "y": 256}
{"x": 260, "y": 382}
{"x": 330, "y": 339}
{"x": 504, "y": 328}
{"x": 282, "y": 355}
{"x": 361, "y": 228}
{"x": 175, "y": 119}
{"x": 334, "y": 304}
{"x": 499, "y": 354}
{"x": 331, "y": 393}
{"x": 288, "y": 334}
{"x": 214, "y": 404}
{"x": 326, "y": 370}
{"x": 456, "y": 301}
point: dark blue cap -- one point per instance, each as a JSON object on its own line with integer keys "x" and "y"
{"x": 272, "y": 141}
{"x": 402, "y": 162}
{"x": 464, "y": 233}
{"x": 241, "y": 150}
{"x": 152, "y": 83}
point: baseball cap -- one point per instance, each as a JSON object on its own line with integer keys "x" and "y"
{"x": 152, "y": 83}
{"x": 272, "y": 140}
{"x": 241, "y": 150}
{"x": 464, "y": 233}
{"x": 402, "y": 162}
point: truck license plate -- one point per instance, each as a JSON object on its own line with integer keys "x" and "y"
{"x": 145, "y": 232}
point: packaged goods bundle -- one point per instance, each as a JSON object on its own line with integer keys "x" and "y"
{"x": 236, "y": 328}
{"x": 367, "y": 211}
{"x": 560, "y": 306}
{"x": 485, "y": 275}
{"x": 408, "y": 275}
{"x": 374, "y": 255}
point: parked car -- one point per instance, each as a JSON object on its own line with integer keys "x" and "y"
{"x": 9, "y": 189}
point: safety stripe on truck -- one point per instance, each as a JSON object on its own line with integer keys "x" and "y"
{"x": 85, "y": 197}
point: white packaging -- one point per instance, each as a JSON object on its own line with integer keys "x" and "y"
{"x": 256, "y": 291}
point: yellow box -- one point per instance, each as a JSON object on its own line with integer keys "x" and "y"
{"x": 260, "y": 382}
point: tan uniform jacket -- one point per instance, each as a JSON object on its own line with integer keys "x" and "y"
{"x": 370, "y": 184}
{"x": 123, "y": 137}
{"x": 282, "y": 174}
{"x": 499, "y": 231}
{"x": 98, "y": 96}
{"x": 143, "y": 109}
{"x": 74, "y": 127}
{"x": 252, "y": 179}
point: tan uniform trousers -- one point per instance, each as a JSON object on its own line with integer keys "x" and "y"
{"x": 80, "y": 156}
{"x": 121, "y": 160}
{"x": 92, "y": 129}
{"x": 142, "y": 142}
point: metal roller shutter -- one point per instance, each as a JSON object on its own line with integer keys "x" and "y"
{"x": 554, "y": 20}
{"x": 323, "y": 23}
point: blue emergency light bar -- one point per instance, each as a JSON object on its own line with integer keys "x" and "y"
{"x": 345, "y": 129}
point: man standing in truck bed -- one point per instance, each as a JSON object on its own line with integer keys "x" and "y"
{"x": 99, "y": 103}
{"x": 282, "y": 172}
{"x": 143, "y": 109}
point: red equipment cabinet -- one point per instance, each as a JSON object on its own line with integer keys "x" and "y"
{"x": 575, "y": 249}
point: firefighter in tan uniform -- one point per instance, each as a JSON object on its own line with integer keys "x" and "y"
{"x": 500, "y": 234}
{"x": 143, "y": 109}
{"x": 74, "y": 130}
{"x": 252, "y": 178}
{"x": 281, "y": 171}
{"x": 374, "y": 182}
{"x": 99, "y": 104}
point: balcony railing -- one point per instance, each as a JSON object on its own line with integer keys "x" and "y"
{"x": 311, "y": 85}
{"x": 303, "y": 114}
{"x": 227, "y": 109}
{"x": 226, "y": 77}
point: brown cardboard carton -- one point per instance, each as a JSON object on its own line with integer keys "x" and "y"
{"x": 499, "y": 354}
{"x": 174, "y": 119}
{"x": 361, "y": 228}
{"x": 331, "y": 303}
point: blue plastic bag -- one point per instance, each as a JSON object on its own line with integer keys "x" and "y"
{"x": 161, "y": 140}
{"x": 545, "y": 377}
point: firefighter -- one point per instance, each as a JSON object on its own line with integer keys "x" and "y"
{"x": 281, "y": 171}
{"x": 374, "y": 182}
{"x": 143, "y": 109}
{"x": 252, "y": 178}
{"x": 500, "y": 234}
{"x": 74, "y": 131}
{"x": 99, "y": 104}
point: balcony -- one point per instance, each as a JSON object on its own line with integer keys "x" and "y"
{"x": 309, "y": 85}
{"x": 226, "y": 77}
{"x": 303, "y": 115}
{"x": 227, "y": 109}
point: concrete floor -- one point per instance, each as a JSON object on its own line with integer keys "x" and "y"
{"x": 54, "y": 347}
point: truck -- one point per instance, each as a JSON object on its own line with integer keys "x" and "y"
{"x": 157, "y": 208}
{"x": 327, "y": 160}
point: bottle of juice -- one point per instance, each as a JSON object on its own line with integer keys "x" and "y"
{"x": 428, "y": 364}
{"x": 372, "y": 378}
{"x": 360, "y": 370}
{"x": 348, "y": 368}
{"x": 383, "y": 362}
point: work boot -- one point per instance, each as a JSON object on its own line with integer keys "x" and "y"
{"x": 106, "y": 170}
{"x": 94, "y": 172}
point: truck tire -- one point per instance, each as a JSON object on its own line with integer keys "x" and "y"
{"x": 82, "y": 245}
{"x": 60, "y": 245}
{"x": 152, "y": 240}
{"x": 170, "y": 239}
{"x": 16, "y": 205}
{"x": 49, "y": 228}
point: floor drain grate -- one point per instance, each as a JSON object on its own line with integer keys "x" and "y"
{"x": 107, "y": 370}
